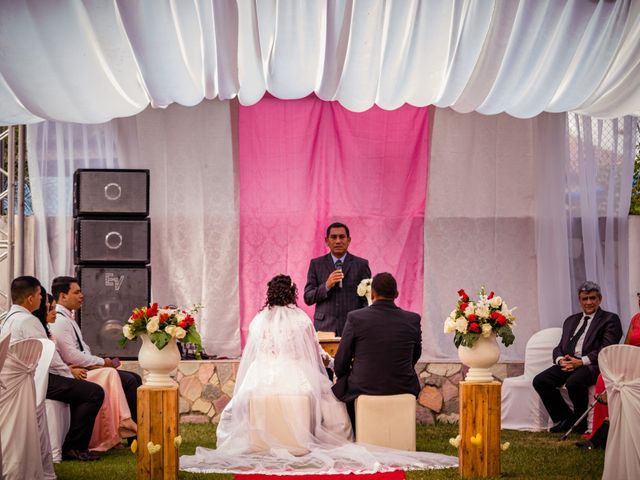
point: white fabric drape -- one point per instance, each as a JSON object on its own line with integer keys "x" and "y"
{"x": 479, "y": 223}
{"x": 19, "y": 426}
{"x": 620, "y": 367}
{"x": 598, "y": 176}
{"x": 88, "y": 62}
{"x": 192, "y": 156}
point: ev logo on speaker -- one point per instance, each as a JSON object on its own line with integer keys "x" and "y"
{"x": 111, "y": 280}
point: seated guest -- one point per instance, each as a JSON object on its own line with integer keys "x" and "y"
{"x": 576, "y": 360}
{"x": 114, "y": 418}
{"x": 84, "y": 398}
{"x": 119, "y": 413}
{"x": 598, "y": 439}
{"x": 379, "y": 348}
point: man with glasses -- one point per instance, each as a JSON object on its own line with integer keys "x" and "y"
{"x": 576, "y": 360}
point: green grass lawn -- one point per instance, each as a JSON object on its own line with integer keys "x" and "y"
{"x": 531, "y": 455}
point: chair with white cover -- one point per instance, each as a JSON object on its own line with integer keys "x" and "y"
{"x": 620, "y": 369}
{"x": 4, "y": 349}
{"x": 522, "y": 408}
{"x": 41, "y": 380}
{"x": 19, "y": 426}
{"x": 387, "y": 421}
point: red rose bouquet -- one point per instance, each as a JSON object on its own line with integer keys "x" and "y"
{"x": 488, "y": 315}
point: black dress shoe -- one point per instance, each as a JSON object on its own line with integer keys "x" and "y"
{"x": 561, "y": 427}
{"x": 586, "y": 445}
{"x": 81, "y": 455}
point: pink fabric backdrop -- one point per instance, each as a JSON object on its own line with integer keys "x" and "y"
{"x": 306, "y": 163}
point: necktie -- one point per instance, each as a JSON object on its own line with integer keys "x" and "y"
{"x": 571, "y": 348}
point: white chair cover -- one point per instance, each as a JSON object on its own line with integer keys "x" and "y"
{"x": 19, "y": 426}
{"x": 4, "y": 349}
{"x": 58, "y": 422}
{"x": 620, "y": 368}
{"x": 522, "y": 408}
{"x": 41, "y": 383}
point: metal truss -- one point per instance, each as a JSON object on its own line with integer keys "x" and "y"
{"x": 12, "y": 156}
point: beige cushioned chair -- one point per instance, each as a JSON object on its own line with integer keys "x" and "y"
{"x": 387, "y": 421}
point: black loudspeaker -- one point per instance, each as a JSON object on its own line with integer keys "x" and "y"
{"x": 106, "y": 192}
{"x": 110, "y": 295}
{"x": 112, "y": 241}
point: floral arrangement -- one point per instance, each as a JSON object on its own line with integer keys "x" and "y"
{"x": 471, "y": 320}
{"x": 364, "y": 289}
{"x": 163, "y": 324}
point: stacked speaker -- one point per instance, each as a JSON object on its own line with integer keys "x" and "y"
{"x": 112, "y": 253}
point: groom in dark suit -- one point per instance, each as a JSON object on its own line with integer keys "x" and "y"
{"x": 576, "y": 360}
{"x": 379, "y": 348}
{"x": 332, "y": 281}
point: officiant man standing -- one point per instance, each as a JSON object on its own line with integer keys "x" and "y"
{"x": 332, "y": 281}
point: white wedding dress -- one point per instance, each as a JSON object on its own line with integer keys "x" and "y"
{"x": 282, "y": 362}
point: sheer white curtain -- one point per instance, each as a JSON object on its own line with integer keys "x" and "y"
{"x": 191, "y": 153}
{"x": 598, "y": 180}
{"x": 92, "y": 61}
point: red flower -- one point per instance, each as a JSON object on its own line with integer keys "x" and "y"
{"x": 501, "y": 320}
{"x": 463, "y": 306}
{"x": 472, "y": 317}
{"x": 163, "y": 317}
{"x": 474, "y": 327}
{"x": 152, "y": 310}
{"x": 462, "y": 294}
{"x": 490, "y": 296}
{"x": 495, "y": 315}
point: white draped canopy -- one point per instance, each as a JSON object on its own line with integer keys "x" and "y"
{"x": 95, "y": 60}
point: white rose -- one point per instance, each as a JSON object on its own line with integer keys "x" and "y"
{"x": 363, "y": 288}
{"x": 453, "y": 314}
{"x": 126, "y": 331}
{"x": 153, "y": 324}
{"x": 170, "y": 330}
{"x": 486, "y": 329}
{"x": 461, "y": 324}
{"x": 449, "y": 325}
{"x": 482, "y": 311}
{"x": 495, "y": 302}
{"x": 180, "y": 333}
{"x": 470, "y": 309}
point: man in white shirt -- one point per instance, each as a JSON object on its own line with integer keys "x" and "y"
{"x": 84, "y": 398}
{"x": 69, "y": 341}
{"x": 576, "y": 360}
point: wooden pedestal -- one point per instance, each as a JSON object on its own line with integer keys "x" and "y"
{"x": 479, "y": 414}
{"x": 157, "y": 423}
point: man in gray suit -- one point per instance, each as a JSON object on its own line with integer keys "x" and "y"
{"x": 332, "y": 281}
{"x": 379, "y": 348}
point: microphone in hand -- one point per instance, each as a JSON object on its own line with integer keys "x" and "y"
{"x": 339, "y": 267}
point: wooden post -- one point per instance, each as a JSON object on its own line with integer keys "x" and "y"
{"x": 157, "y": 423}
{"x": 479, "y": 414}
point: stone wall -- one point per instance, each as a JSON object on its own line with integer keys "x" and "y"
{"x": 207, "y": 386}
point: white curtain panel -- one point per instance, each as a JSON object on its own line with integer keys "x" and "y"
{"x": 192, "y": 156}
{"x": 598, "y": 180}
{"x": 479, "y": 223}
{"x": 91, "y": 61}
{"x": 55, "y": 151}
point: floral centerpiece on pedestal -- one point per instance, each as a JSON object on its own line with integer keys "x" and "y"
{"x": 160, "y": 330}
{"x": 472, "y": 320}
{"x": 364, "y": 289}
{"x": 476, "y": 326}
{"x": 162, "y": 325}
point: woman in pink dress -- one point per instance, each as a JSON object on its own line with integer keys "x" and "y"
{"x": 601, "y": 411}
{"x": 114, "y": 421}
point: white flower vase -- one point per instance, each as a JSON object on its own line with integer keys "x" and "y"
{"x": 159, "y": 363}
{"x": 480, "y": 358}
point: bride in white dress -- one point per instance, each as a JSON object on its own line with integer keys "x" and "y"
{"x": 283, "y": 416}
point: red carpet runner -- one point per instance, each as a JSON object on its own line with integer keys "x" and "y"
{"x": 395, "y": 475}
